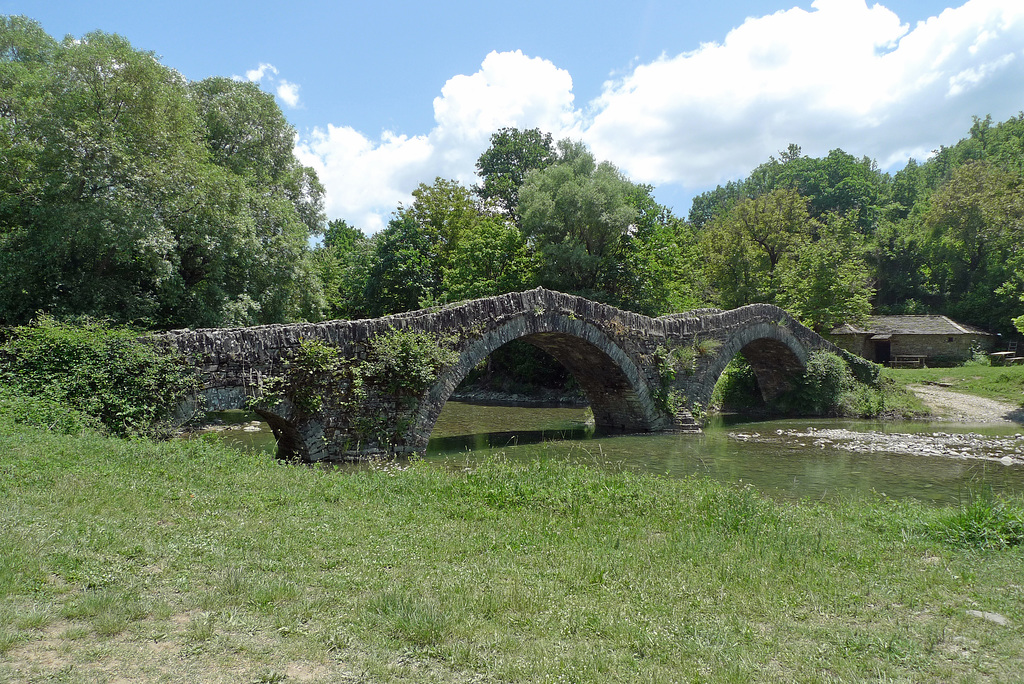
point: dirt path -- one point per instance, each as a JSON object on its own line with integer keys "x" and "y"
{"x": 965, "y": 408}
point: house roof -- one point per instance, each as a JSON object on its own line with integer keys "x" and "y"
{"x": 908, "y": 325}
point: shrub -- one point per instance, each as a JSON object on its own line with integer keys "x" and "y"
{"x": 42, "y": 412}
{"x": 106, "y": 373}
{"x": 820, "y": 390}
{"x": 737, "y": 387}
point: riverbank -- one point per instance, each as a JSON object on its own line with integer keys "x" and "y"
{"x": 945, "y": 404}
{"x": 973, "y": 393}
{"x": 129, "y": 560}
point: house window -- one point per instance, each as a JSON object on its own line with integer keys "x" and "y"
{"x": 949, "y": 339}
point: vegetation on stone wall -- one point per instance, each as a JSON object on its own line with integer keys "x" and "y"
{"x": 376, "y": 389}
{"x": 405, "y": 361}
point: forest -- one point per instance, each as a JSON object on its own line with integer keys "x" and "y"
{"x": 133, "y": 195}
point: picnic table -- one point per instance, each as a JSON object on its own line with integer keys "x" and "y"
{"x": 1005, "y": 358}
{"x": 908, "y": 361}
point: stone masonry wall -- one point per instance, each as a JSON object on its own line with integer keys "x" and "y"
{"x": 614, "y": 355}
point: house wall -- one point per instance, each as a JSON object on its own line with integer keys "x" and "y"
{"x": 939, "y": 348}
{"x": 855, "y": 344}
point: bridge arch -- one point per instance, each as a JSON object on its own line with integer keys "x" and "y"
{"x": 774, "y": 353}
{"x": 613, "y": 383}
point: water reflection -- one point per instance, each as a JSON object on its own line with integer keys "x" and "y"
{"x": 471, "y": 427}
{"x": 786, "y": 461}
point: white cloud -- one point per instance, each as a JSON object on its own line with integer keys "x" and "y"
{"x": 840, "y": 75}
{"x": 366, "y": 179}
{"x": 289, "y": 92}
{"x": 259, "y": 72}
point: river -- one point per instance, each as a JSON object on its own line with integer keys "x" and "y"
{"x": 789, "y": 459}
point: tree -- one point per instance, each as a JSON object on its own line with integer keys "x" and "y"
{"x": 404, "y": 276}
{"x": 745, "y": 247}
{"x": 974, "y": 224}
{"x": 579, "y": 215}
{"x": 342, "y": 263}
{"x": 503, "y": 166}
{"x": 443, "y": 211}
{"x": 107, "y": 142}
{"x": 827, "y": 282}
{"x": 276, "y": 203}
{"x": 121, "y": 202}
{"x": 491, "y": 258}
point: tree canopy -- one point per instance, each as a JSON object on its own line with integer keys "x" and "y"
{"x": 137, "y": 196}
{"x": 134, "y": 195}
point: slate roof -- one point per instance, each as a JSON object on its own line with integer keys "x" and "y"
{"x": 908, "y": 325}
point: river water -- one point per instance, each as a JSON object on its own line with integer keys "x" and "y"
{"x": 790, "y": 459}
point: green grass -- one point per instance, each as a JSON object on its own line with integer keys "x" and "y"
{"x": 1004, "y": 383}
{"x": 130, "y": 560}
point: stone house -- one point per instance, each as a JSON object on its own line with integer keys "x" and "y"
{"x": 912, "y": 340}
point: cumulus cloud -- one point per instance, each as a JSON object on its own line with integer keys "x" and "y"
{"x": 842, "y": 74}
{"x": 367, "y": 178}
{"x": 259, "y": 72}
{"x": 287, "y": 91}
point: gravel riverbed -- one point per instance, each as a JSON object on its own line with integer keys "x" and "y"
{"x": 946, "y": 406}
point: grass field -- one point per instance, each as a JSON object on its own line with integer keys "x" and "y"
{"x": 1005, "y": 383}
{"x": 132, "y": 560}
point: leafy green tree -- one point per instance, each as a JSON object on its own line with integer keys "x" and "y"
{"x": 707, "y": 205}
{"x": 276, "y": 203}
{"x": 827, "y": 282}
{"x": 837, "y": 183}
{"x": 901, "y": 268}
{"x": 102, "y": 149}
{"x": 669, "y": 270}
{"x": 342, "y": 263}
{"x": 503, "y": 166}
{"x": 491, "y": 258}
{"x": 974, "y": 225}
{"x": 745, "y": 247}
{"x": 404, "y": 275}
{"x": 342, "y": 238}
{"x": 443, "y": 211}
{"x": 580, "y": 215}
{"x": 121, "y": 201}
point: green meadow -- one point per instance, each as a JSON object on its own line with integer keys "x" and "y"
{"x": 185, "y": 561}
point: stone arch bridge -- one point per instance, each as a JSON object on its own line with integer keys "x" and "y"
{"x": 640, "y": 374}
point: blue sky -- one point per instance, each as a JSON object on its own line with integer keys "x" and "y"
{"x": 683, "y": 95}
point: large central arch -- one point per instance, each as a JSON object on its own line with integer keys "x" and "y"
{"x": 615, "y": 386}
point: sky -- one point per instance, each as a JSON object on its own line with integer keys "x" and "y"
{"x": 681, "y": 95}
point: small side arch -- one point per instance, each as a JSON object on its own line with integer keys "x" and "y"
{"x": 617, "y": 390}
{"x": 774, "y": 353}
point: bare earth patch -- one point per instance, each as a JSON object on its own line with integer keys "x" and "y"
{"x": 966, "y": 408}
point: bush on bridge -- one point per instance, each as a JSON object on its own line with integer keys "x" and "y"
{"x": 70, "y": 376}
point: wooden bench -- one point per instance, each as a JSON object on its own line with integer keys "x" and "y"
{"x": 908, "y": 361}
